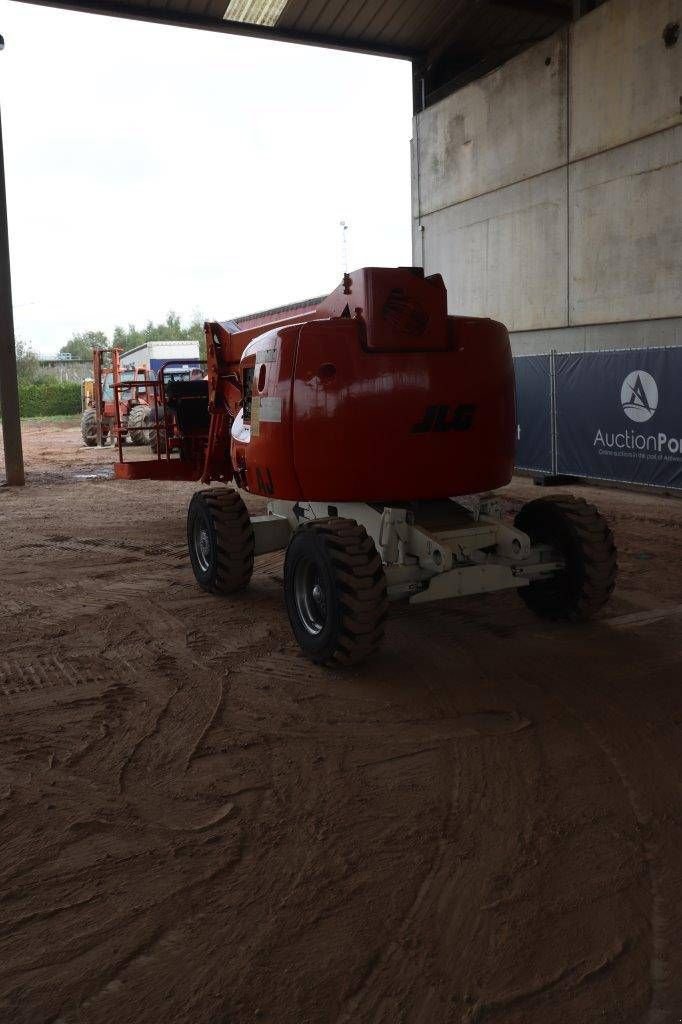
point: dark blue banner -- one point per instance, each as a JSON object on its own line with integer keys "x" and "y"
{"x": 619, "y": 416}
{"x": 533, "y": 413}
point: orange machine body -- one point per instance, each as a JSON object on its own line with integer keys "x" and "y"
{"x": 376, "y": 396}
{"x": 382, "y": 397}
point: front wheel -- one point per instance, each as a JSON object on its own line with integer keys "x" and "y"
{"x": 221, "y": 540}
{"x": 89, "y": 428}
{"x": 580, "y": 537}
{"x": 335, "y": 591}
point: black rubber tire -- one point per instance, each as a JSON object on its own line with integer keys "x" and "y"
{"x": 220, "y": 516}
{"x": 137, "y": 420}
{"x": 157, "y": 442}
{"x": 582, "y": 538}
{"x": 89, "y": 428}
{"x": 354, "y": 602}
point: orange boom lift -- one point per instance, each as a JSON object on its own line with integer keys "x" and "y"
{"x": 370, "y": 426}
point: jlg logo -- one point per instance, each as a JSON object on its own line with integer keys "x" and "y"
{"x": 441, "y": 418}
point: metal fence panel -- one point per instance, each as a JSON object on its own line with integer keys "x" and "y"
{"x": 619, "y": 416}
{"x": 534, "y": 429}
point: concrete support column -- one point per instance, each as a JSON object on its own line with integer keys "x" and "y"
{"x": 9, "y": 390}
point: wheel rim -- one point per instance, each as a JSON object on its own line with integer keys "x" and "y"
{"x": 309, "y": 597}
{"x": 201, "y": 541}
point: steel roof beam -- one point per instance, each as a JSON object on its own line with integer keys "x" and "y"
{"x": 185, "y": 19}
{"x": 9, "y": 385}
{"x": 547, "y": 8}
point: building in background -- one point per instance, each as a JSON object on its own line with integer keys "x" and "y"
{"x": 549, "y": 193}
{"x": 63, "y": 370}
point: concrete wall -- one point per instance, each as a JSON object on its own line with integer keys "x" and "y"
{"x": 64, "y": 371}
{"x": 549, "y": 193}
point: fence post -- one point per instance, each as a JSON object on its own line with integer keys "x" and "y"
{"x": 553, "y": 412}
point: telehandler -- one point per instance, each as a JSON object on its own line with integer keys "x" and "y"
{"x": 100, "y": 401}
{"x": 370, "y": 426}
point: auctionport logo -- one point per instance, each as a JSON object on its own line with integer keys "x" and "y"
{"x": 639, "y": 402}
{"x": 639, "y": 396}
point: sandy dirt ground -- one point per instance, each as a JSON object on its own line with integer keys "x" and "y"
{"x": 483, "y": 823}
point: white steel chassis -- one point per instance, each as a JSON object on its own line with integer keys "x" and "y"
{"x": 442, "y": 549}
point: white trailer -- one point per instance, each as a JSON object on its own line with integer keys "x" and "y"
{"x": 155, "y": 353}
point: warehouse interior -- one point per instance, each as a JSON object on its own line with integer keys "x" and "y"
{"x": 481, "y": 823}
{"x": 540, "y": 208}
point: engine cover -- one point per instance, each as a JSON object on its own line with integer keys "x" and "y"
{"x": 386, "y": 399}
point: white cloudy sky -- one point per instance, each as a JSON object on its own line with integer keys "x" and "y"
{"x": 152, "y": 168}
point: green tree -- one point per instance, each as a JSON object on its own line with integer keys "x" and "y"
{"x": 27, "y": 361}
{"x": 170, "y": 329}
{"x": 80, "y": 346}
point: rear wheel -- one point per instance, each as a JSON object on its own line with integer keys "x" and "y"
{"x": 157, "y": 440}
{"x": 581, "y": 538}
{"x": 138, "y": 418}
{"x": 220, "y": 539}
{"x": 335, "y": 591}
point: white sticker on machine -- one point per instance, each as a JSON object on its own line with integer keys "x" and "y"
{"x": 270, "y": 410}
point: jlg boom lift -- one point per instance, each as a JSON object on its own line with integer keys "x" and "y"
{"x": 368, "y": 426}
